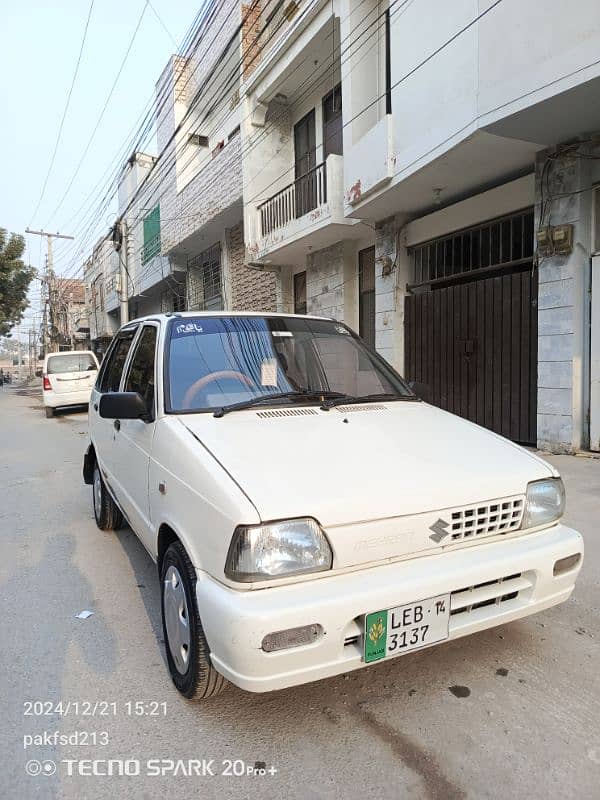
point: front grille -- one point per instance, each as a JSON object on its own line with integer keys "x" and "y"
{"x": 352, "y": 408}
{"x": 287, "y": 412}
{"x": 487, "y": 519}
{"x": 490, "y": 593}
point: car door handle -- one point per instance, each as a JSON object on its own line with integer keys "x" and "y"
{"x": 117, "y": 425}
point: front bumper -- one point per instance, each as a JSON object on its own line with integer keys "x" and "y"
{"x": 518, "y": 578}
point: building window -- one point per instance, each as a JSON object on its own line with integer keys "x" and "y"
{"x": 366, "y": 295}
{"x": 596, "y": 220}
{"x": 300, "y": 293}
{"x": 388, "y": 65}
{"x": 204, "y": 281}
{"x": 501, "y": 243}
{"x": 151, "y": 235}
{"x": 333, "y": 129}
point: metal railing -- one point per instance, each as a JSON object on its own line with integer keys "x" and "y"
{"x": 295, "y": 200}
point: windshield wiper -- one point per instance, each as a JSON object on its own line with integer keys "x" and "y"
{"x": 299, "y": 394}
{"x": 365, "y": 398}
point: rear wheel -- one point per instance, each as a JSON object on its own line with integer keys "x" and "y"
{"x": 106, "y": 512}
{"x": 49, "y": 412}
{"x": 188, "y": 653}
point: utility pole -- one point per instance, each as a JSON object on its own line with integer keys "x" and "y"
{"x": 49, "y": 280}
{"x": 120, "y": 243}
{"x": 19, "y": 350}
{"x": 29, "y": 350}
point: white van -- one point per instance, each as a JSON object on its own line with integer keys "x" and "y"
{"x": 68, "y": 378}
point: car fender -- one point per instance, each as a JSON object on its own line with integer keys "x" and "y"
{"x": 192, "y": 494}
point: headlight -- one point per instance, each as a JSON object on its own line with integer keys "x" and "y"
{"x": 544, "y": 503}
{"x": 291, "y": 547}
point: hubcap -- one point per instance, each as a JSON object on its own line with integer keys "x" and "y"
{"x": 97, "y": 491}
{"x": 176, "y": 619}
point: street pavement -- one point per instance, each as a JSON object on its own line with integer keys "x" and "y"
{"x": 513, "y": 712}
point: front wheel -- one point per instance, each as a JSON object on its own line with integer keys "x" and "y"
{"x": 188, "y": 653}
{"x": 106, "y": 512}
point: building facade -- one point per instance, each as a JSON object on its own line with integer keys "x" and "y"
{"x": 101, "y": 276}
{"x": 69, "y": 326}
{"x": 408, "y": 177}
{"x": 426, "y": 174}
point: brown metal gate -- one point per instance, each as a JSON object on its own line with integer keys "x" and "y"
{"x": 474, "y": 345}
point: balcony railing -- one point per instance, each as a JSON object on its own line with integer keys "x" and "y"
{"x": 294, "y": 201}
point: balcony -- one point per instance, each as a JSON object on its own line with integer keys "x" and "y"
{"x": 304, "y": 195}
{"x": 305, "y": 215}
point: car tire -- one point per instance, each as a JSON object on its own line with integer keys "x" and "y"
{"x": 107, "y": 514}
{"x": 49, "y": 412}
{"x": 188, "y": 653}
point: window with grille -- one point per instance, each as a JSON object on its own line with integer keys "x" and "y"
{"x": 204, "y": 280}
{"x": 501, "y": 242}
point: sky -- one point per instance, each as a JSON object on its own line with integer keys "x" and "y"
{"x": 41, "y": 40}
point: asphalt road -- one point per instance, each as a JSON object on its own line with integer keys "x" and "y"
{"x": 525, "y": 723}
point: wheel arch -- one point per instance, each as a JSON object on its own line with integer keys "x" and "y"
{"x": 89, "y": 460}
{"x": 169, "y": 533}
{"x": 166, "y": 537}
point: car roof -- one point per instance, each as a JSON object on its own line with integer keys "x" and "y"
{"x": 195, "y": 314}
{"x": 71, "y": 352}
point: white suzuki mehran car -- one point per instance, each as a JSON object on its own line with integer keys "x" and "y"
{"x": 308, "y": 513}
{"x": 68, "y": 378}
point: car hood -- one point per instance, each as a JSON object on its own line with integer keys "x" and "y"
{"x": 360, "y": 463}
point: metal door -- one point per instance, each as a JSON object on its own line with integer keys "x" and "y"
{"x": 305, "y": 155}
{"x": 475, "y": 346}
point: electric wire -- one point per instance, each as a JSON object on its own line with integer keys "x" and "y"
{"x": 64, "y": 115}
{"x": 102, "y": 112}
{"x": 418, "y": 66}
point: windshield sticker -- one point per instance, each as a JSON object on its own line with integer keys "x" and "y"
{"x": 341, "y": 329}
{"x": 187, "y": 329}
{"x": 268, "y": 372}
{"x": 281, "y": 333}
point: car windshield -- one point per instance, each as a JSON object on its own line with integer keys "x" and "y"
{"x": 71, "y": 362}
{"x": 218, "y": 361}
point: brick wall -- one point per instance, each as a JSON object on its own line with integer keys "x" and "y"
{"x": 252, "y": 24}
{"x": 250, "y": 289}
{"x": 218, "y": 182}
{"x": 325, "y": 282}
{"x": 217, "y": 187}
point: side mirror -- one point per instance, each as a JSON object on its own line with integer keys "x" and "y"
{"x": 420, "y": 389}
{"x": 123, "y": 405}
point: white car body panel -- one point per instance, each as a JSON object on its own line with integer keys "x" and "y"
{"x": 235, "y": 623}
{"x": 376, "y": 483}
{"x": 424, "y": 461}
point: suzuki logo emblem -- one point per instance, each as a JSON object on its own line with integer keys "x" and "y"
{"x": 439, "y": 530}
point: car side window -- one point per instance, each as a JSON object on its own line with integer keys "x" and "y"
{"x": 141, "y": 371}
{"x": 113, "y": 370}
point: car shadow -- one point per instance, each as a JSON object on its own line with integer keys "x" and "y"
{"x": 146, "y": 577}
{"x": 63, "y": 414}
